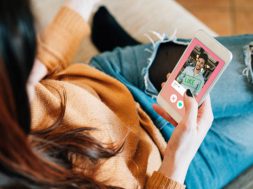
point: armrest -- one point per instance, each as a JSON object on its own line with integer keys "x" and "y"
{"x": 159, "y": 15}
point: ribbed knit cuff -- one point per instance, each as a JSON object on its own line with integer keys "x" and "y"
{"x": 71, "y": 21}
{"x": 61, "y": 39}
{"x": 158, "y": 180}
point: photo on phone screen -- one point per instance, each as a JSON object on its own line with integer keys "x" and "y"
{"x": 197, "y": 69}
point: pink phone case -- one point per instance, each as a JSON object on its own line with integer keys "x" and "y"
{"x": 184, "y": 76}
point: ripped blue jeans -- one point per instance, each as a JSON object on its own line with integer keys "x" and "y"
{"x": 228, "y": 147}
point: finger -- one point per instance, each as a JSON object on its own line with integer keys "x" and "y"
{"x": 206, "y": 116}
{"x": 191, "y": 109}
{"x": 168, "y": 75}
{"x": 164, "y": 114}
{"x": 203, "y": 105}
{"x": 206, "y": 109}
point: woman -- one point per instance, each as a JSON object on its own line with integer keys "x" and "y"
{"x": 26, "y": 159}
{"x": 83, "y": 120}
{"x": 67, "y": 127}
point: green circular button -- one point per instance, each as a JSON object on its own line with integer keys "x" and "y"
{"x": 180, "y": 104}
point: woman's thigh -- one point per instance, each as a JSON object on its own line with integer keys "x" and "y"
{"x": 128, "y": 63}
{"x": 233, "y": 94}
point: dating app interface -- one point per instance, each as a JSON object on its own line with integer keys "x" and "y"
{"x": 196, "y": 71}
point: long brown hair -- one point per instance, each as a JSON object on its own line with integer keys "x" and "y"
{"x": 38, "y": 159}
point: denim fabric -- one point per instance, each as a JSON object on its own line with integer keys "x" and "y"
{"x": 248, "y": 60}
{"x": 228, "y": 147}
{"x": 233, "y": 94}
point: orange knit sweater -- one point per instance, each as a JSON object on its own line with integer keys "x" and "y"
{"x": 94, "y": 99}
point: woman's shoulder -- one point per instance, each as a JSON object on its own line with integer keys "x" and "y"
{"x": 80, "y": 103}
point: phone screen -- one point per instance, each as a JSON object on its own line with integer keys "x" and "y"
{"x": 196, "y": 70}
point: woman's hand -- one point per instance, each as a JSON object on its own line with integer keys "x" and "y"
{"x": 161, "y": 111}
{"x": 82, "y": 7}
{"x": 186, "y": 138}
{"x": 39, "y": 71}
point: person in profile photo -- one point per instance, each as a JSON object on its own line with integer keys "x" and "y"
{"x": 192, "y": 78}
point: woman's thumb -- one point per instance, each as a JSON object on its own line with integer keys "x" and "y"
{"x": 191, "y": 108}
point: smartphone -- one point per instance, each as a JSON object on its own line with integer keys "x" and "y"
{"x": 198, "y": 69}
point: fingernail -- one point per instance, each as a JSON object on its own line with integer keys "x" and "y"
{"x": 189, "y": 93}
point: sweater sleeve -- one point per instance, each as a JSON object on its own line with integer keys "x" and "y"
{"x": 61, "y": 39}
{"x": 158, "y": 180}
